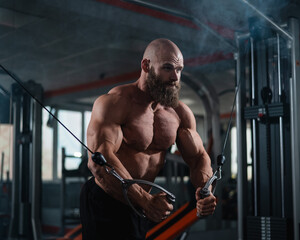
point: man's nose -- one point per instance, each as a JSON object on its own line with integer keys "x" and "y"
{"x": 175, "y": 76}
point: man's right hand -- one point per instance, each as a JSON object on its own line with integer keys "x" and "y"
{"x": 157, "y": 207}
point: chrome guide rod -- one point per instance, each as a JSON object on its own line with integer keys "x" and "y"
{"x": 295, "y": 122}
{"x": 254, "y": 147}
{"x": 239, "y": 149}
{"x": 270, "y": 21}
{"x": 280, "y": 131}
{"x": 240, "y": 125}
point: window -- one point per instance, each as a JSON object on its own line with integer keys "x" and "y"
{"x": 73, "y": 121}
{"x": 6, "y": 151}
{"x": 47, "y": 147}
{"x": 87, "y": 118}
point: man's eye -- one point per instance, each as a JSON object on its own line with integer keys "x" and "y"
{"x": 168, "y": 67}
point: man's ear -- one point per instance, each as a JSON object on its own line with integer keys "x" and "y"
{"x": 145, "y": 65}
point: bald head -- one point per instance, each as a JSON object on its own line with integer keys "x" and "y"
{"x": 162, "y": 65}
{"x": 159, "y": 48}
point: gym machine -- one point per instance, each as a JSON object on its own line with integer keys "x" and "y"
{"x": 267, "y": 71}
{"x": 25, "y": 220}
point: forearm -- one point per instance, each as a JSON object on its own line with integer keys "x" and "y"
{"x": 113, "y": 186}
{"x": 201, "y": 171}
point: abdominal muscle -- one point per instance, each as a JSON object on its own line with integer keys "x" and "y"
{"x": 143, "y": 165}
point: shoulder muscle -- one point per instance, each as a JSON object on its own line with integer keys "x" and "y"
{"x": 187, "y": 119}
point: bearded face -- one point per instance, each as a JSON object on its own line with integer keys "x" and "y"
{"x": 165, "y": 93}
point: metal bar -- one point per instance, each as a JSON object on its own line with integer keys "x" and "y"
{"x": 295, "y": 124}
{"x": 242, "y": 165}
{"x": 15, "y": 202}
{"x": 271, "y": 22}
{"x": 254, "y": 130}
{"x": 240, "y": 189}
{"x": 280, "y": 131}
{"x": 36, "y": 183}
{"x": 54, "y": 148}
{"x": 63, "y": 191}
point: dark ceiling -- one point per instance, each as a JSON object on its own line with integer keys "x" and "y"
{"x": 78, "y": 49}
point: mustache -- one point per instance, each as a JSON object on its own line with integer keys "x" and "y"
{"x": 172, "y": 83}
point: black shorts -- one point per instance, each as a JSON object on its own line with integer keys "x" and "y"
{"x": 104, "y": 217}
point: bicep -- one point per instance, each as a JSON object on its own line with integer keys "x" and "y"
{"x": 102, "y": 135}
{"x": 190, "y": 145}
{"x": 104, "y": 128}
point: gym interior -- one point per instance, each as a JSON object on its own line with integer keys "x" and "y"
{"x": 241, "y": 80}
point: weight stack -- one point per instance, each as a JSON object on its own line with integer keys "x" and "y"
{"x": 268, "y": 228}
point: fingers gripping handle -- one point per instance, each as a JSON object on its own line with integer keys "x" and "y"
{"x": 205, "y": 192}
{"x": 99, "y": 159}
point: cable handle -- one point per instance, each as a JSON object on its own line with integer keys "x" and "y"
{"x": 205, "y": 192}
{"x": 99, "y": 159}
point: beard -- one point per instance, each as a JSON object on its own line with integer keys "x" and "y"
{"x": 162, "y": 92}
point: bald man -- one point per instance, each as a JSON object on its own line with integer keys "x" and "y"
{"x": 133, "y": 126}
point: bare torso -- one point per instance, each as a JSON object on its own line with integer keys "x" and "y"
{"x": 148, "y": 132}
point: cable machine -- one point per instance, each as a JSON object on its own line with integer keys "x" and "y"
{"x": 268, "y": 77}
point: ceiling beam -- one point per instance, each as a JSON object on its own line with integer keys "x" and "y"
{"x": 171, "y": 16}
{"x": 192, "y": 62}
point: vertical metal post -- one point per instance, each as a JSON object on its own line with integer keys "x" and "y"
{"x": 295, "y": 123}
{"x": 241, "y": 141}
{"x": 14, "y": 222}
{"x": 36, "y": 183}
{"x": 25, "y": 168}
{"x": 54, "y": 148}
{"x": 255, "y": 203}
{"x": 280, "y": 131}
{"x": 63, "y": 191}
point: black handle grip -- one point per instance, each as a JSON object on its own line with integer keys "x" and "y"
{"x": 204, "y": 193}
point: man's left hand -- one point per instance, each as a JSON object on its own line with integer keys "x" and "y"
{"x": 205, "y": 206}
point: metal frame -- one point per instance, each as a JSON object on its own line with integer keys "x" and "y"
{"x": 295, "y": 123}
{"x": 241, "y": 136}
{"x": 36, "y": 166}
{"x": 293, "y": 38}
{"x": 282, "y": 160}
{"x": 253, "y": 93}
{"x": 26, "y": 181}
